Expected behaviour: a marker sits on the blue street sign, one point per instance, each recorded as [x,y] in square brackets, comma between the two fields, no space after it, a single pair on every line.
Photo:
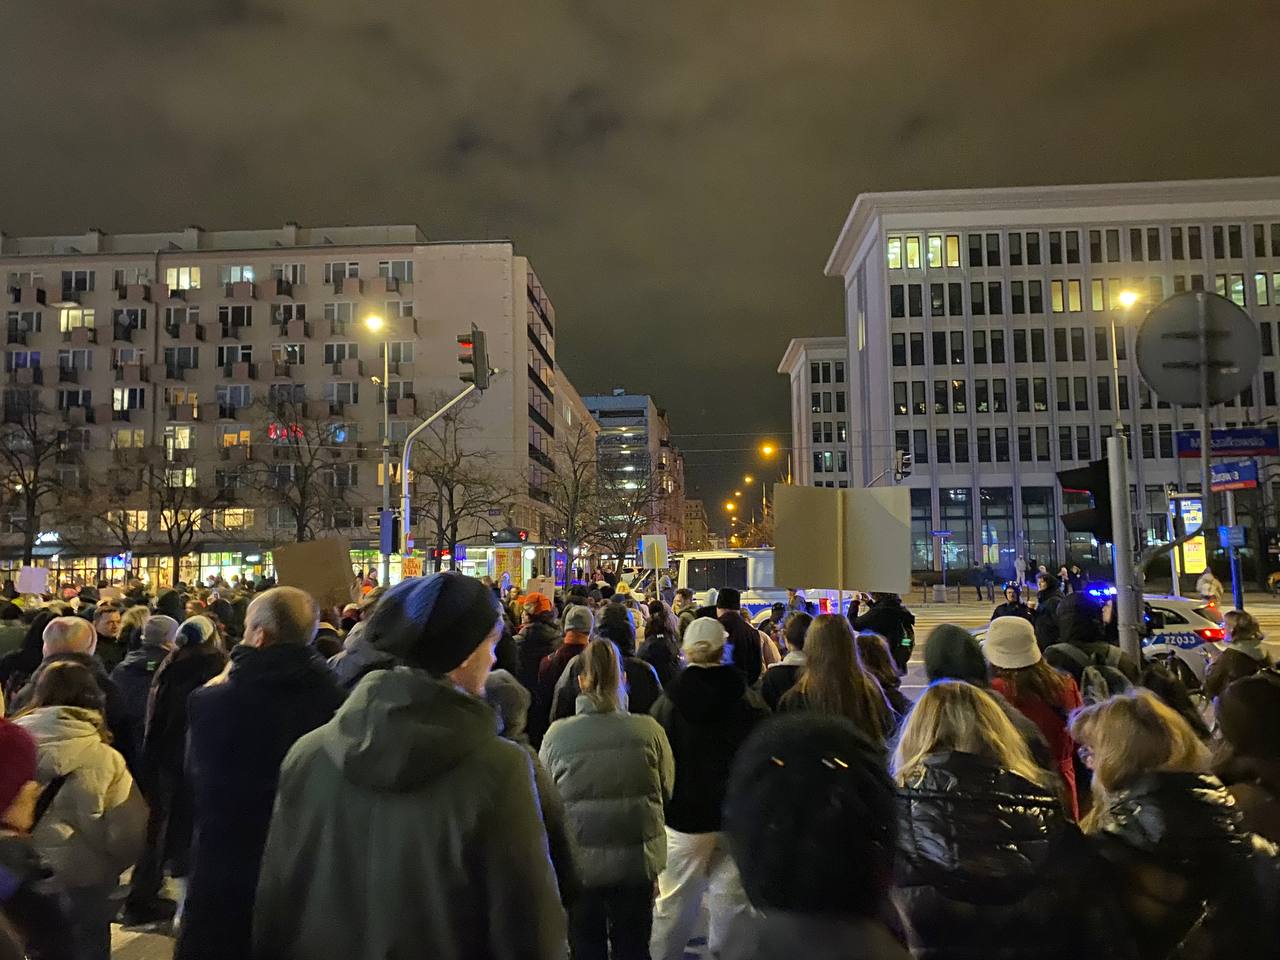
[1233,475]
[939,533]
[1238,442]
[1230,536]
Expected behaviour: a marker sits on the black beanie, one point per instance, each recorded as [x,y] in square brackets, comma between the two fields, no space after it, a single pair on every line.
[953,653]
[433,622]
[729,599]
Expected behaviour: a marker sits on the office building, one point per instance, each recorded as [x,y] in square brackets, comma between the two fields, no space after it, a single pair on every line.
[979,340]
[819,410]
[205,355]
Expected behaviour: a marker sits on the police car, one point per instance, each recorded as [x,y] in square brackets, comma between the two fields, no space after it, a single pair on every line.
[1188,628]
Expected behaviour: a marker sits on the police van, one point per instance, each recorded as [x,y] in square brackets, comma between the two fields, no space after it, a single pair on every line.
[749,571]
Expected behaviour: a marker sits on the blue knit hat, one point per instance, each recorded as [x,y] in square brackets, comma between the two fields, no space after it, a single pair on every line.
[434,622]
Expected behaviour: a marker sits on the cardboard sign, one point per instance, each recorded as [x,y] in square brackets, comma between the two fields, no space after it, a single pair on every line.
[834,539]
[32,579]
[653,551]
[543,585]
[320,567]
[411,567]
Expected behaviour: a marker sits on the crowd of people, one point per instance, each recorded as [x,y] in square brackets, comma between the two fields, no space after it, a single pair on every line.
[447,769]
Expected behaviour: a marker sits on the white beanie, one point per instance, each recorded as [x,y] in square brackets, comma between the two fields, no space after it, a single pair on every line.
[1011,643]
[704,640]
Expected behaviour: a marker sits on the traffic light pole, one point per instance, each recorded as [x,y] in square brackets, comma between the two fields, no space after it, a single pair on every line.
[1126,607]
[405,519]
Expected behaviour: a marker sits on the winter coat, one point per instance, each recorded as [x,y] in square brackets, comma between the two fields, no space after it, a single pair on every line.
[989,866]
[614,772]
[184,670]
[110,650]
[1052,721]
[550,670]
[1011,608]
[1254,784]
[405,827]
[357,657]
[1237,661]
[643,688]
[32,904]
[707,714]
[1196,882]
[778,680]
[663,654]
[536,640]
[116,714]
[12,633]
[889,618]
[132,679]
[777,935]
[744,640]
[1045,616]
[96,824]
[241,727]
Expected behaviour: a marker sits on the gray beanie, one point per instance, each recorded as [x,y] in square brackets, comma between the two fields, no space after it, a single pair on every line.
[159,630]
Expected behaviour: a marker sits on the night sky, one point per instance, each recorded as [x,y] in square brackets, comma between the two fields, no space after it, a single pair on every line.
[677,172]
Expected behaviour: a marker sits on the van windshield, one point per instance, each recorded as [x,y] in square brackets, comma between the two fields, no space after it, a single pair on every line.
[716,573]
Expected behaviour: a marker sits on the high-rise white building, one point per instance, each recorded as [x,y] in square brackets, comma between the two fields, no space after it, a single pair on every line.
[979,340]
[819,410]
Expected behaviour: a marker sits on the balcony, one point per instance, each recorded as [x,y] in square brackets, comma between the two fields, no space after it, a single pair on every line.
[72,295]
[284,451]
[404,406]
[28,376]
[337,407]
[380,285]
[186,332]
[133,373]
[19,335]
[296,329]
[241,290]
[350,367]
[163,293]
[240,370]
[124,416]
[537,456]
[279,287]
[231,331]
[134,293]
[80,336]
[228,411]
[537,417]
[27,296]
[77,416]
[123,332]
[402,369]
[68,373]
[348,286]
[183,413]
[235,451]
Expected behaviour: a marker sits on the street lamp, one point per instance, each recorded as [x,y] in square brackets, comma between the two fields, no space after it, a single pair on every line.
[1126,299]
[737,493]
[375,324]
[730,506]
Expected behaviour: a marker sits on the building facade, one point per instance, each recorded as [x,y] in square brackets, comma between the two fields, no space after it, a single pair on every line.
[635,437]
[697,534]
[819,410]
[204,356]
[979,340]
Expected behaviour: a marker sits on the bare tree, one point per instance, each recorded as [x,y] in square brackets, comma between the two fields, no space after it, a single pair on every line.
[574,487]
[454,483]
[33,441]
[298,469]
[179,503]
[109,510]
[628,501]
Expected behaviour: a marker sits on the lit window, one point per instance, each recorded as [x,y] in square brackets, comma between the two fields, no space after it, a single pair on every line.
[913,253]
[1073,296]
[182,278]
[71,318]
[402,270]
[135,521]
[953,250]
[935,250]
[1056,295]
[236,273]
[1096,301]
[128,439]
[180,476]
[1237,286]
[1260,288]
[894,247]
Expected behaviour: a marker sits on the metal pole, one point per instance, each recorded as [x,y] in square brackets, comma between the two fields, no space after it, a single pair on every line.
[1115,372]
[404,463]
[1206,433]
[1173,554]
[1122,544]
[385,578]
[1233,554]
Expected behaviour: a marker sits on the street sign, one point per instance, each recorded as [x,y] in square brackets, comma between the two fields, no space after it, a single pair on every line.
[939,533]
[1238,442]
[1233,475]
[1173,349]
[1230,536]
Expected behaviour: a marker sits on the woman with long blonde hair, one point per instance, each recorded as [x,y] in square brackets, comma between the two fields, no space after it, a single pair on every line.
[988,860]
[832,681]
[1195,880]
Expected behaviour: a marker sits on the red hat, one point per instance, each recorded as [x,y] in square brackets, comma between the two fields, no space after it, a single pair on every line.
[536,602]
[17,762]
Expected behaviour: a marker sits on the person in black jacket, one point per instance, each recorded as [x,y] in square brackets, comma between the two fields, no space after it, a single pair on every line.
[133,676]
[781,677]
[643,686]
[196,659]
[1193,879]
[661,647]
[1048,596]
[817,872]
[988,862]
[889,618]
[17,666]
[1013,605]
[1082,642]
[707,714]
[240,729]
[745,651]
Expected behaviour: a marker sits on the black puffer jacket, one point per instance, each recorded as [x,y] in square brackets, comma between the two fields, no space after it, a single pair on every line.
[889,618]
[1197,883]
[989,866]
[707,713]
[1046,616]
[537,639]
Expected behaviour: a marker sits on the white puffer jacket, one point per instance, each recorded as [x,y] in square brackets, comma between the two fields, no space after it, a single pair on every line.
[97,823]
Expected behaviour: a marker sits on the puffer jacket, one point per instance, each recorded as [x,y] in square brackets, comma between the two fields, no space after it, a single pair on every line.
[989,866]
[614,772]
[707,714]
[537,639]
[405,827]
[96,824]
[1197,883]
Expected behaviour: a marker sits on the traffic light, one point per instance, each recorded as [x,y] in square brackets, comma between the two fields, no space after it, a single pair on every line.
[388,531]
[474,358]
[1094,481]
[901,465]
[509,535]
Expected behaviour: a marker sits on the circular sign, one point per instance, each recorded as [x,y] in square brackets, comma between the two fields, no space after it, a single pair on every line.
[1172,351]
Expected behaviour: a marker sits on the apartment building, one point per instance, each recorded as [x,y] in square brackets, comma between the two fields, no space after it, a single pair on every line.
[979,339]
[697,535]
[635,439]
[816,367]
[205,355]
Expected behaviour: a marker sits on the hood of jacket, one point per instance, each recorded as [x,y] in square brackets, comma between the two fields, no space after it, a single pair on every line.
[401,729]
[66,737]
[971,827]
[1080,620]
[510,701]
[704,693]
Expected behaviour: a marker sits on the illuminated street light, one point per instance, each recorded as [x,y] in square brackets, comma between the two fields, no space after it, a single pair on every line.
[374,323]
[730,506]
[748,479]
[1128,298]
[767,449]
[737,493]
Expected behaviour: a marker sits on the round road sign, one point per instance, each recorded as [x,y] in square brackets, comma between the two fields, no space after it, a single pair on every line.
[1171,352]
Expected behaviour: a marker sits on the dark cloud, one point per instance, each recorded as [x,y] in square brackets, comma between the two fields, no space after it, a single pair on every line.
[677,172]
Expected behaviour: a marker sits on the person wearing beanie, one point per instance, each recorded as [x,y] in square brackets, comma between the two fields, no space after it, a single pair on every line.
[953,653]
[240,727]
[745,650]
[1045,695]
[641,687]
[195,660]
[578,625]
[33,913]
[1249,761]
[818,871]
[134,674]
[411,780]
[889,618]
[539,637]
[1082,641]
[707,712]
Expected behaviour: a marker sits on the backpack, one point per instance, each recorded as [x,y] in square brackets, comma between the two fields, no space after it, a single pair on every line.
[1100,676]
